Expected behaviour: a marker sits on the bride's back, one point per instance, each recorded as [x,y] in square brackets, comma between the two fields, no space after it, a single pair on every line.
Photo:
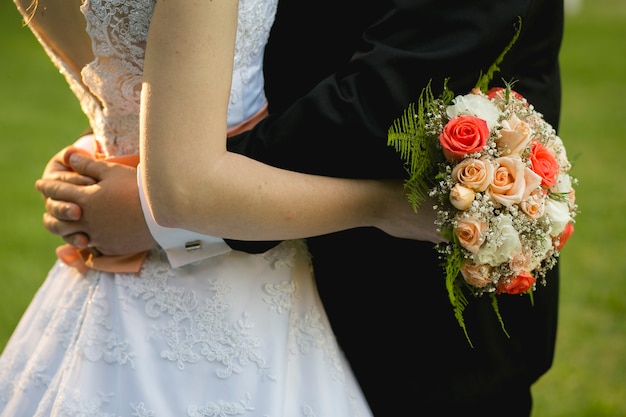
[99,47]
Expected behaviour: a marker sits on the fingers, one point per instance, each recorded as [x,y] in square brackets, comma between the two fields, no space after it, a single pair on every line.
[69,176]
[57,169]
[71,150]
[59,190]
[81,162]
[63,210]
[80,240]
[67,230]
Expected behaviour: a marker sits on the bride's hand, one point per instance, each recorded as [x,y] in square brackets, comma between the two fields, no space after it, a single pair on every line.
[110,217]
[398,218]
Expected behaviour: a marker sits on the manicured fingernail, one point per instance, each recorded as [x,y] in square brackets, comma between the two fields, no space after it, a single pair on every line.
[74,158]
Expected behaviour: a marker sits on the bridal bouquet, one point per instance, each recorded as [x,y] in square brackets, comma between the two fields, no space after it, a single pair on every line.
[500,176]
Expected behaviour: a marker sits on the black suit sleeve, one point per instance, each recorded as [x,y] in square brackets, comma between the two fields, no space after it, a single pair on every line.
[333,98]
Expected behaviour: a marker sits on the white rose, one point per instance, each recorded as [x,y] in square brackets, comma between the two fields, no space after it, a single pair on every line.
[559,215]
[539,253]
[502,246]
[474,105]
[555,145]
[563,184]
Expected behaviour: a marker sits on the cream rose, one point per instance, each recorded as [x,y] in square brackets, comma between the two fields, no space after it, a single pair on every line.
[502,245]
[559,215]
[509,184]
[461,197]
[470,232]
[475,274]
[564,187]
[563,184]
[557,148]
[474,105]
[515,136]
[474,173]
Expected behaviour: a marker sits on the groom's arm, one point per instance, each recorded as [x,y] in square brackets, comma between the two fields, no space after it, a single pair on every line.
[339,125]
[356,85]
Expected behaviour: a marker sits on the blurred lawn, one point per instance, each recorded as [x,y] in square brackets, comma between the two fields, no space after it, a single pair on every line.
[39,115]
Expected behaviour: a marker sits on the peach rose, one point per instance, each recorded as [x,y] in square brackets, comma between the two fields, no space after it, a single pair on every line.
[533,182]
[470,232]
[544,163]
[508,185]
[534,205]
[474,173]
[514,136]
[520,261]
[518,285]
[463,135]
[461,197]
[476,274]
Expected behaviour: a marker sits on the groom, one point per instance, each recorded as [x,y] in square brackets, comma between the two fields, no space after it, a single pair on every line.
[354,69]
[337,74]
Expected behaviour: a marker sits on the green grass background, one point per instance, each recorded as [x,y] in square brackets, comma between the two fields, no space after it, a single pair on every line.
[39,115]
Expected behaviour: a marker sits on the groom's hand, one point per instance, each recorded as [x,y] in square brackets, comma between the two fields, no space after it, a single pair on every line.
[94,203]
[398,218]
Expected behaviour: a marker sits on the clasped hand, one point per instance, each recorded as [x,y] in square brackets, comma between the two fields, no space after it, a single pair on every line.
[94,203]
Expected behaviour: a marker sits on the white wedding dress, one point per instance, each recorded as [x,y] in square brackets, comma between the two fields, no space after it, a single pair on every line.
[231,335]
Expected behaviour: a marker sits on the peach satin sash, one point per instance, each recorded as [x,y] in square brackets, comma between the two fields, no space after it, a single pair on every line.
[83,259]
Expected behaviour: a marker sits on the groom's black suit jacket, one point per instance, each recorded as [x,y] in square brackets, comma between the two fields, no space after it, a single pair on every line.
[337,73]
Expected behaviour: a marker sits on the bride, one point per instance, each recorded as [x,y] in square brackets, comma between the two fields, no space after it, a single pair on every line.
[229,334]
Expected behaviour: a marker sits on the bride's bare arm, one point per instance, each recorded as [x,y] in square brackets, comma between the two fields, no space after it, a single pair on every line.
[191,180]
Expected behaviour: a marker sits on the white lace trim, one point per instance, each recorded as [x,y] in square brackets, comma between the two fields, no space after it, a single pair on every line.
[109,87]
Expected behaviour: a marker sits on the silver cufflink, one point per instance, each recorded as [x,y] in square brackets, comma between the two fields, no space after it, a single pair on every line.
[191,246]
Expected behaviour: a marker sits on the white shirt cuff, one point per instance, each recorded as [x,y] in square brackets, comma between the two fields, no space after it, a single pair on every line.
[181,246]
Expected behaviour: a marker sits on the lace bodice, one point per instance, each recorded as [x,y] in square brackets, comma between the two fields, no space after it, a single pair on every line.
[109,87]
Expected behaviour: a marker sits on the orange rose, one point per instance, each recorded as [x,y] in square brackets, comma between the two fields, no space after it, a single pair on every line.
[463,135]
[518,285]
[565,234]
[471,233]
[476,274]
[544,163]
[475,174]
